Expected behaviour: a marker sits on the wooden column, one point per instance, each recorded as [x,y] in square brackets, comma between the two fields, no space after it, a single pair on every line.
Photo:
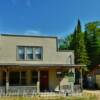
[20,78]
[1,77]
[7,81]
[38,83]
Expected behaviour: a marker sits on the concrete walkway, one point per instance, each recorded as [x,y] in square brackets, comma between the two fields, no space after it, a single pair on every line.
[92,93]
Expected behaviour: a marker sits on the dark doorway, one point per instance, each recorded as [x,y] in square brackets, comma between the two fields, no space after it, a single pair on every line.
[44,81]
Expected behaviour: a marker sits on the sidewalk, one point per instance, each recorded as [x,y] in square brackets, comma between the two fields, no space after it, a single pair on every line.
[92,93]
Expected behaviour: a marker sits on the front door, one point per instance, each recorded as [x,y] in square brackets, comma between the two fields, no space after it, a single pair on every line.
[44,81]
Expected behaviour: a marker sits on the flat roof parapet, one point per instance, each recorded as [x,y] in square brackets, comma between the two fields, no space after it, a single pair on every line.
[20,35]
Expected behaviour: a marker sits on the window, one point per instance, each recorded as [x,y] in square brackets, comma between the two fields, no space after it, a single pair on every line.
[29,53]
[17,78]
[14,78]
[38,53]
[4,78]
[21,53]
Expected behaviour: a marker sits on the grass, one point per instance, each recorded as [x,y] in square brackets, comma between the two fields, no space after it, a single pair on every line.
[49,98]
[82,98]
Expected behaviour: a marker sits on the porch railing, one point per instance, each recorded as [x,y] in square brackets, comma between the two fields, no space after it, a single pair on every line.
[18,90]
[68,89]
[32,90]
[2,90]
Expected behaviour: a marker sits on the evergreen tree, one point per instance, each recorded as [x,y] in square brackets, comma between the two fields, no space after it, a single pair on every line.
[78,45]
[73,41]
[92,35]
[78,27]
[94,51]
[86,45]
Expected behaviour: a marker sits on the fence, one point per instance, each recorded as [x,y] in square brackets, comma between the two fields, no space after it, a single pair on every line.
[18,90]
[32,90]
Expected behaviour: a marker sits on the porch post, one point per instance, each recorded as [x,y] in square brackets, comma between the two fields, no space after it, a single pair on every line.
[20,78]
[1,78]
[72,83]
[81,79]
[7,81]
[38,83]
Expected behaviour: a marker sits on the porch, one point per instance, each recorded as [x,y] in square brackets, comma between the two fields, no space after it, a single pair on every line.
[31,91]
[33,80]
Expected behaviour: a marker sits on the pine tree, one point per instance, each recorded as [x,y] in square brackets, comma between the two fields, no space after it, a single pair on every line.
[78,45]
[92,35]
[73,41]
[94,46]
[78,28]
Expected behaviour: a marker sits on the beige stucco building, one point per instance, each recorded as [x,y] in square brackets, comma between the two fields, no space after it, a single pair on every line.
[34,61]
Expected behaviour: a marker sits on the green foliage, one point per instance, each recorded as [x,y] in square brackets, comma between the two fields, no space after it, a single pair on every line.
[85,44]
[65,43]
[62,47]
[78,27]
[92,37]
[78,45]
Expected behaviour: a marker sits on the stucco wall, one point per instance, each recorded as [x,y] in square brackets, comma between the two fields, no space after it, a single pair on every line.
[28,77]
[8,46]
[98,80]
[53,80]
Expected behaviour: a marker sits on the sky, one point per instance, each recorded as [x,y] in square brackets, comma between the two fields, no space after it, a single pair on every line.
[46,17]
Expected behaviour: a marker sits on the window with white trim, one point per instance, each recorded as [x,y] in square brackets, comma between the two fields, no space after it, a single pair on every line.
[38,53]
[21,53]
[29,53]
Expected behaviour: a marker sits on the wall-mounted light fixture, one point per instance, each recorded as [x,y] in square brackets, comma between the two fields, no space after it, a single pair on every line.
[59,74]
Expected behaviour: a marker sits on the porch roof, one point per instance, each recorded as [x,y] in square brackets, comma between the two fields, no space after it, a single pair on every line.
[42,65]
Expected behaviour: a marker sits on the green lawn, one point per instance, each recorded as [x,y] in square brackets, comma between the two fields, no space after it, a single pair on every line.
[50,98]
